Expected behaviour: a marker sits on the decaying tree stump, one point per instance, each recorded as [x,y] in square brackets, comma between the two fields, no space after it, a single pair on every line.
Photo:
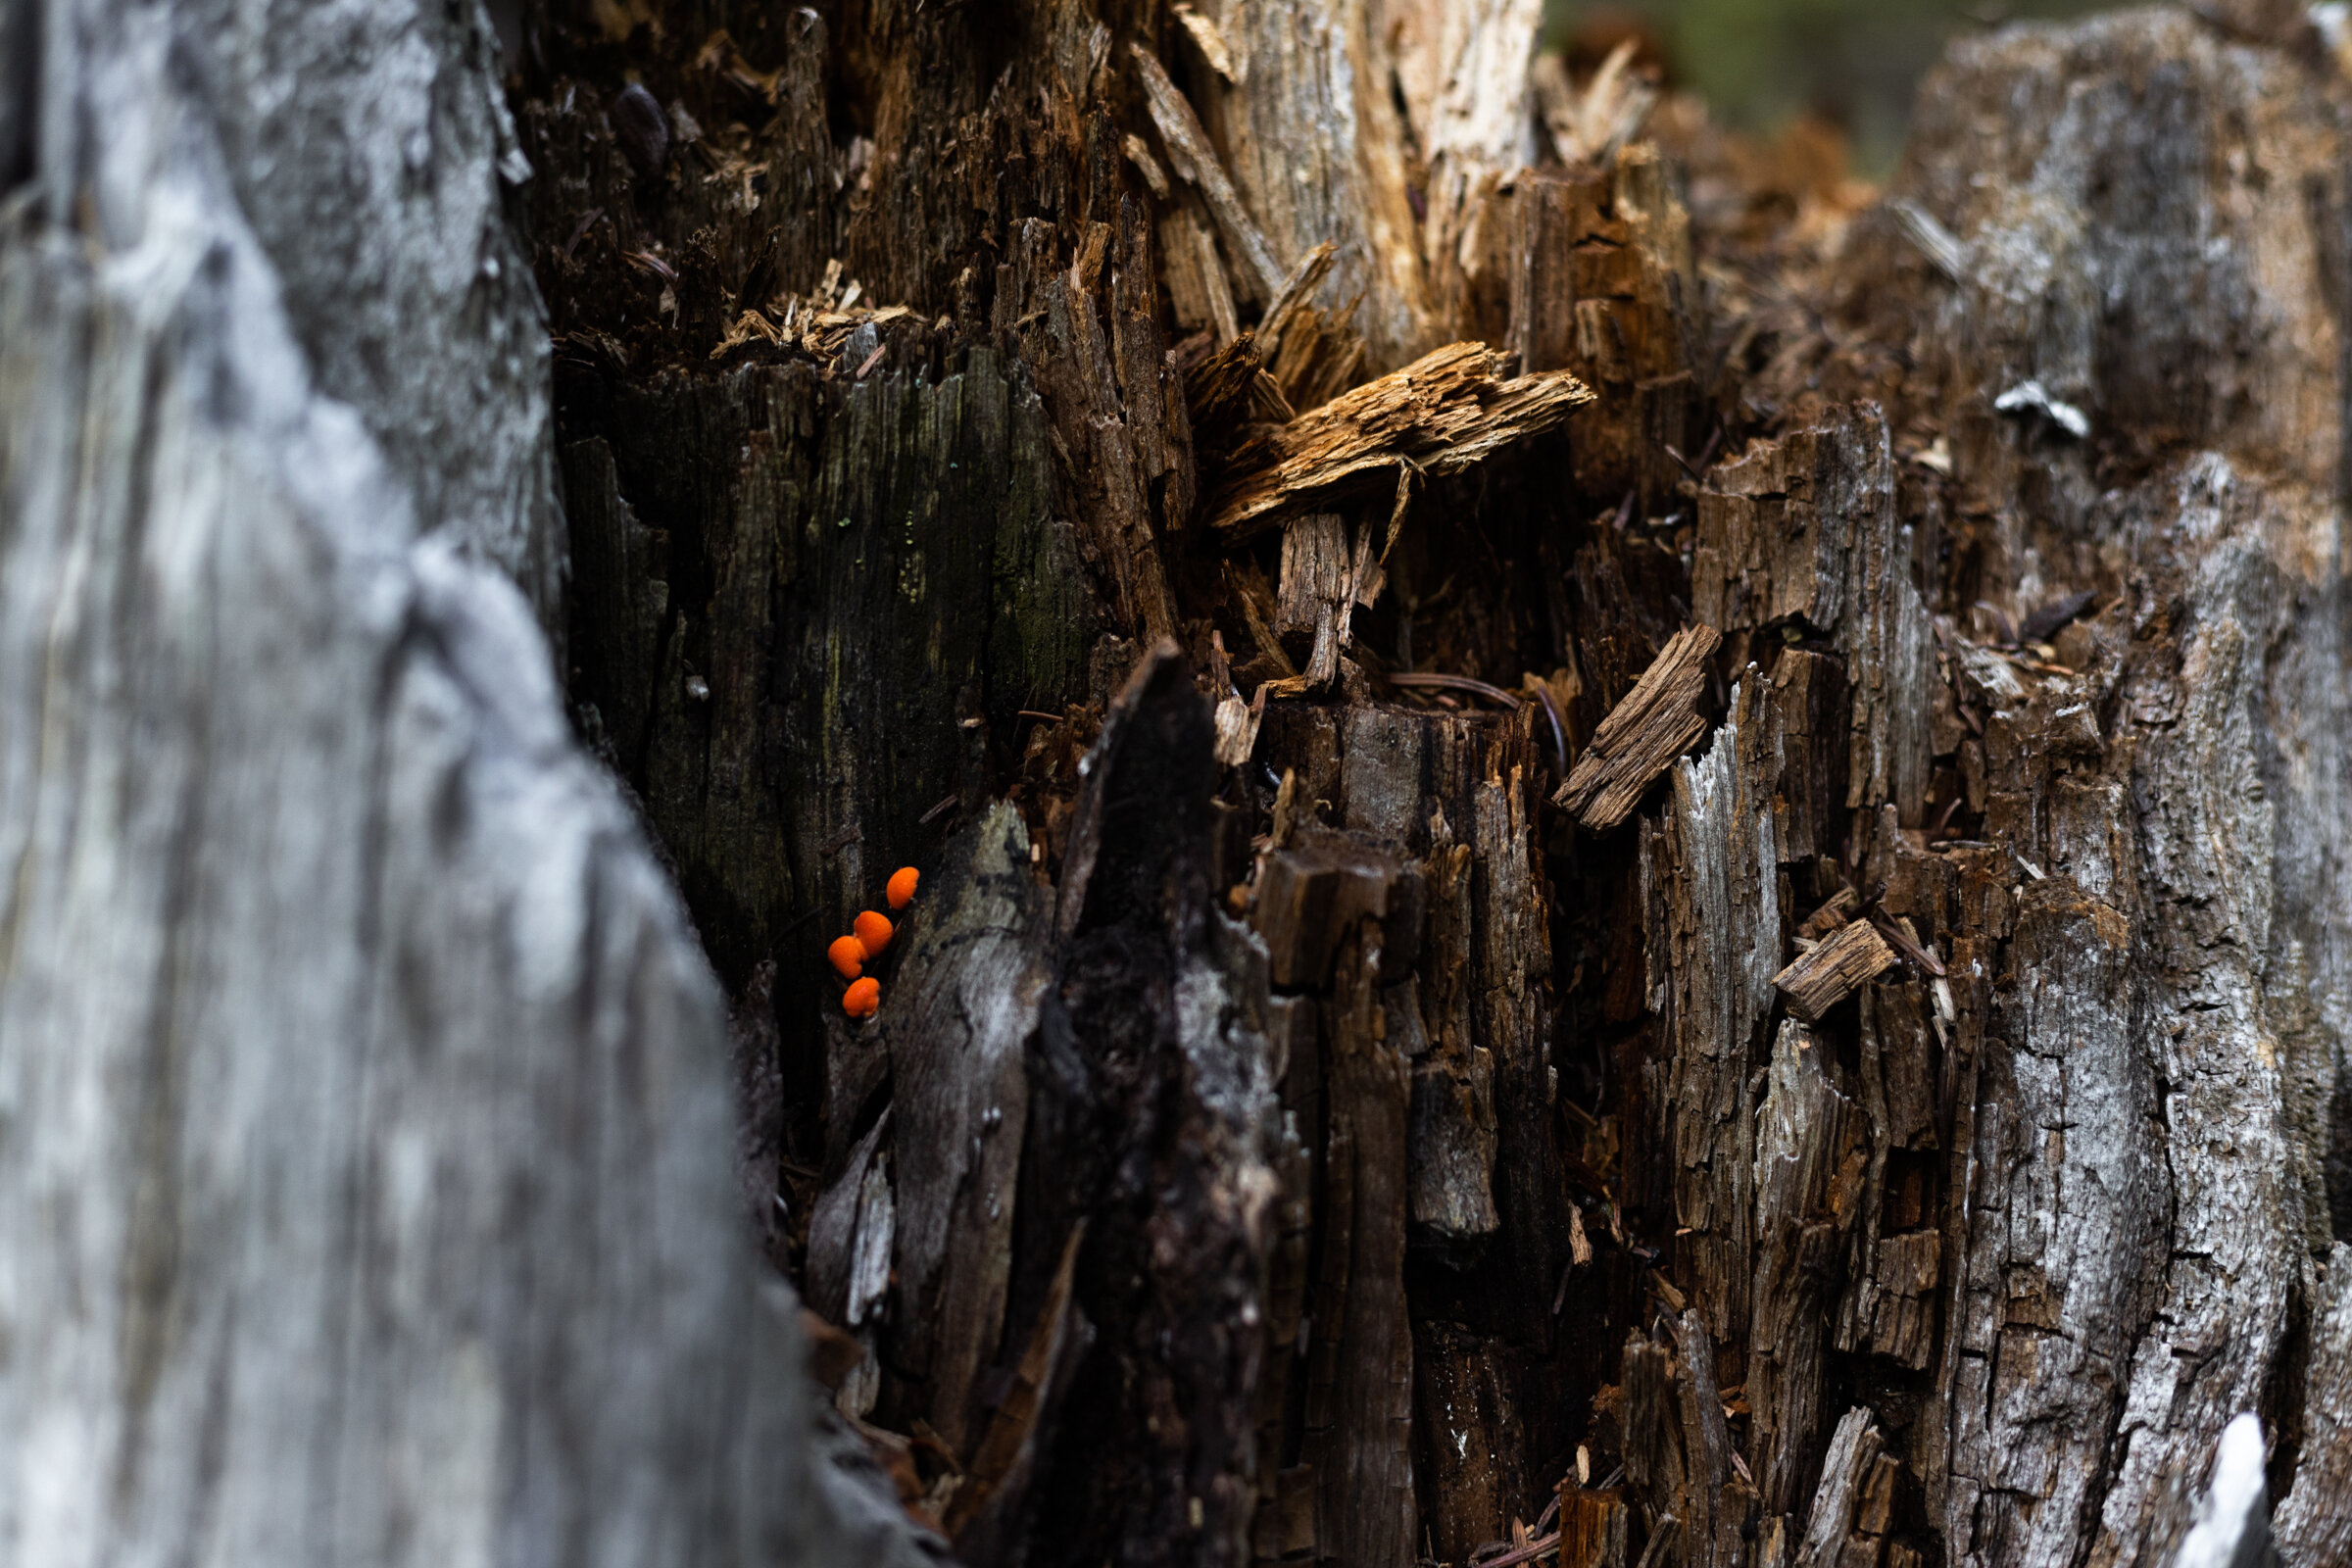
[1627,858]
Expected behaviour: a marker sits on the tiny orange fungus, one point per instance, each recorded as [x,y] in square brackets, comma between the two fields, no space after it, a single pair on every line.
[863,997]
[848,957]
[901,886]
[873,932]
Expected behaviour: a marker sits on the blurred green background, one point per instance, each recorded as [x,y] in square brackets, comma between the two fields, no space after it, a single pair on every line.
[1853,62]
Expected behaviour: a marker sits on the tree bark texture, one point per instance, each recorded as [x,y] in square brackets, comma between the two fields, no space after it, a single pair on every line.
[1716,933]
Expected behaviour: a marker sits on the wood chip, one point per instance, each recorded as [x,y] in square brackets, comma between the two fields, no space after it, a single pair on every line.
[1139,153]
[1656,722]
[1821,979]
[1443,413]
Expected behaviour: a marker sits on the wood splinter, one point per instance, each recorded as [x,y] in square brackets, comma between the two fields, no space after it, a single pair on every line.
[1444,413]
[1656,722]
[1834,970]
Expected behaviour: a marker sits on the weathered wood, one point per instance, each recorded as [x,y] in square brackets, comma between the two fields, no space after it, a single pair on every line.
[1445,797]
[1657,722]
[1359,1393]
[367,1187]
[1324,579]
[1444,413]
[1196,163]
[1713,924]
[1152,1090]
[1802,534]
[959,1011]
[1152,1243]
[1846,1472]
[1593,1529]
[1605,284]
[1808,1170]
[1834,969]
[2312,1523]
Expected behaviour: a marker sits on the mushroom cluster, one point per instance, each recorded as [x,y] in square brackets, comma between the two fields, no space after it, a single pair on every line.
[869,934]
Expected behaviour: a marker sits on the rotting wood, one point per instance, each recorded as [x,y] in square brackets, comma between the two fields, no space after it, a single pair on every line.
[1444,413]
[1657,722]
[1196,161]
[1713,935]
[1802,533]
[368,1191]
[1809,1169]
[1604,284]
[1834,969]
[1324,581]
[1846,1472]
[2082,1176]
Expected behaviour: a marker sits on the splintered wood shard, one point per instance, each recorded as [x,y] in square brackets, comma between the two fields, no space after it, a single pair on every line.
[1834,970]
[1196,161]
[1446,412]
[1656,723]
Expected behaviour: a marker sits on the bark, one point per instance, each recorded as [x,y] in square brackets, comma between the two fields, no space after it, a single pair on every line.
[1711,930]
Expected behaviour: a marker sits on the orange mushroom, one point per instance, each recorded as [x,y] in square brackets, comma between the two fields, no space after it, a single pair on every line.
[901,886]
[848,957]
[863,997]
[873,932]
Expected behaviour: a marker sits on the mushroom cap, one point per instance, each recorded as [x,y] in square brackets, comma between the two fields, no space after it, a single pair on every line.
[848,956]
[863,997]
[873,930]
[901,891]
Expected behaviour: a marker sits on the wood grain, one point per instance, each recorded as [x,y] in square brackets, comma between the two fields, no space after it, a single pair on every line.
[1834,969]
[1657,722]
[1444,413]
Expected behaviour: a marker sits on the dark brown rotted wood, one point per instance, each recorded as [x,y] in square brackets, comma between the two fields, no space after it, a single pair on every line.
[1467,1009]
[1809,1162]
[1717,1503]
[1679,1456]
[829,565]
[1594,1528]
[1914,785]
[1801,537]
[1888,1307]
[1358,1409]
[1605,286]
[1142,1105]
[1123,440]
[1466,1397]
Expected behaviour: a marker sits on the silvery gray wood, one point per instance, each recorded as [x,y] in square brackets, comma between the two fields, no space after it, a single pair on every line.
[365,1133]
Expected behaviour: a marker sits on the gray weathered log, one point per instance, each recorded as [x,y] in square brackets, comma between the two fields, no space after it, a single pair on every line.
[2180,984]
[367,1194]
